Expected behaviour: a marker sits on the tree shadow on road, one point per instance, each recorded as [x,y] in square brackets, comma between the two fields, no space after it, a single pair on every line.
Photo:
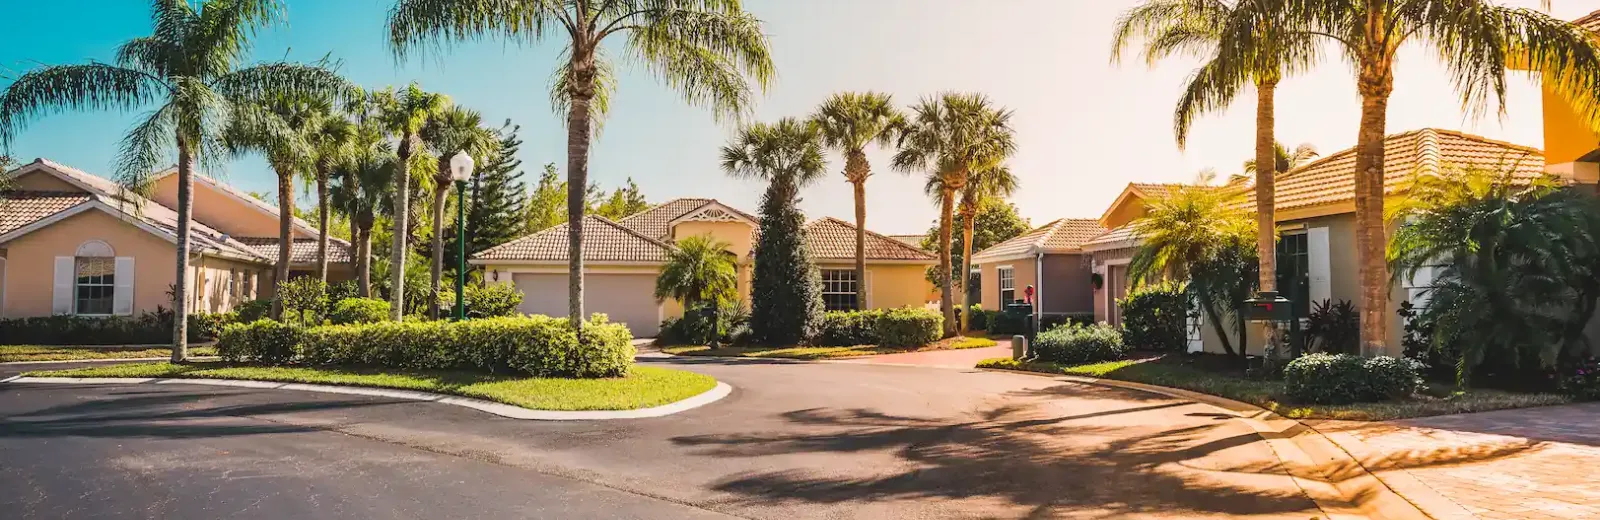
[173,414]
[1026,456]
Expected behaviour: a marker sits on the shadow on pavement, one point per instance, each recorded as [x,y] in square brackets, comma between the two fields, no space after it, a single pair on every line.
[171,414]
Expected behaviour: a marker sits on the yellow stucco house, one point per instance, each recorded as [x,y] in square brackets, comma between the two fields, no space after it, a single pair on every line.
[622,259]
[72,243]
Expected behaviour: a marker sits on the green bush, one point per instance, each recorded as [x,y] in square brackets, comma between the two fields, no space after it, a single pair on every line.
[304,300]
[533,345]
[1344,379]
[253,310]
[1075,344]
[208,327]
[848,328]
[151,328]
[1154,318]
[492,300]
[908,327]
[980,318]
[696,328]
[359,310]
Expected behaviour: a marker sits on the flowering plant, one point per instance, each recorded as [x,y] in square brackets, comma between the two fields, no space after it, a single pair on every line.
[1583,383]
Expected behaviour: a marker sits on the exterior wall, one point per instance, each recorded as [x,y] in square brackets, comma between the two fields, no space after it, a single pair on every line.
[1566,138]
[1067,288]
[895,285]
[220,284]
[1025,273]
[220,210]
[1131,209]
[40,181]
[736,234]
[30,262]
[1104,302]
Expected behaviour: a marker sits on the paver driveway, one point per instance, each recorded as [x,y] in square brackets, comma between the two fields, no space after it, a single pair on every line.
[795,440]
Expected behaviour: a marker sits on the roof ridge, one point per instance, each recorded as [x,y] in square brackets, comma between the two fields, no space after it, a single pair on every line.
[630,231]
[664,204]
[1055,226]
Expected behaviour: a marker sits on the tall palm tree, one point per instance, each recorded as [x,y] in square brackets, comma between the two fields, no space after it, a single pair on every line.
[991,181]
[189,67]
[279,129]
[949,137]
[707,51]
[451,131]
[849,122]
[403,114]
[1476,40]
[362,180]
[699,270]
[1260,56]
[332,139]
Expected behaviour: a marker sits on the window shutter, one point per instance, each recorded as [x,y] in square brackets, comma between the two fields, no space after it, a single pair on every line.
[1318,264]
[62,301]
[868,304]
[122,297]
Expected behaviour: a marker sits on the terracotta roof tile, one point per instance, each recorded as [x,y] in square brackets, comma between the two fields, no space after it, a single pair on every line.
[829,238]
[1590,21]
[1156,191]
[654,222]
[603,241]
[304,250]
[20,208]
[910,240]
[1059,235]
[1114,236]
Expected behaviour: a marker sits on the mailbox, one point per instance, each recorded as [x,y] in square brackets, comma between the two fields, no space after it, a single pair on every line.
[1268,306]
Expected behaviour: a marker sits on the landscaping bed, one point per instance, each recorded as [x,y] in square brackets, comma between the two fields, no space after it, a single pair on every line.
[825,352]
[1221,376]
[641,387]
[13,353]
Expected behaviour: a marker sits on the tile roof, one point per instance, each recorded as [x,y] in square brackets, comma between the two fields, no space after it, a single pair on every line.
[1114,236]
[654,222]
[20,208]
[1590,21]
[1059,235]
[910,240]
[829,238]
[1330,180]
[304,250]
[1157,191]
[603,241]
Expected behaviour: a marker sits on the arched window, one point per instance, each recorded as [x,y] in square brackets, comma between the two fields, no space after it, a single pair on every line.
[95,281]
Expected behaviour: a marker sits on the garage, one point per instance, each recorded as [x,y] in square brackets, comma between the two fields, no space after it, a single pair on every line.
[627,298]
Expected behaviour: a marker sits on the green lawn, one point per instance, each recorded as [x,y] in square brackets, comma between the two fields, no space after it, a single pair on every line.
[643,387]
[9,353]
[812,353]
[1175,371]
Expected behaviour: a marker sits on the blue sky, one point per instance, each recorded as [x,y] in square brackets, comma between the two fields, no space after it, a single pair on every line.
[1086,127]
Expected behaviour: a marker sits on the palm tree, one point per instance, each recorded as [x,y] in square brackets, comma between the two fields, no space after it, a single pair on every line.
[361,182]
[452,131]
[280,130]
[1194,235]
[707,51]
[994,181]
[1284,159]
[1260,56]
[849,121]
[1476,40]
[403,114]
[699,270]
[332,140]
[949,137]
[189,67]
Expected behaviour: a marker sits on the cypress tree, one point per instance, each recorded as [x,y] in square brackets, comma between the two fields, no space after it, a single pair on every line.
[786,289]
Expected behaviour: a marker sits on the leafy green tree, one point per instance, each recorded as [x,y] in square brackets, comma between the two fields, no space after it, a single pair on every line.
[1196,235]
[786,289]
[1475,40]
[403,115]
[849,122]
[708,51]
[547,204]
[993,222]
[6,164]
[699,270]
[949,137]
[189,68]
[499,199]
[450,131]
[623,202]
[1514,277]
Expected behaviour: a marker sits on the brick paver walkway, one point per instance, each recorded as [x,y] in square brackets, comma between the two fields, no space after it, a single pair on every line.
[964,358]
[1537,463]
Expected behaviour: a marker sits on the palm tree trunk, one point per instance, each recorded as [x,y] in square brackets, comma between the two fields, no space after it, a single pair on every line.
[1375,86]
[578,135]
[968,214]
[860,189]
[437,272]
[285,234]
[1266,227]
[946,208]
[323,214]
[402,214]
[180,285]
[364,258]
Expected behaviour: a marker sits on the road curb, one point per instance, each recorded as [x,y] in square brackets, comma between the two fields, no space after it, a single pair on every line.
[111,360]
[504,410]
[1329,475]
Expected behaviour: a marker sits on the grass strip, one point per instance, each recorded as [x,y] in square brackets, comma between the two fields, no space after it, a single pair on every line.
[11,353]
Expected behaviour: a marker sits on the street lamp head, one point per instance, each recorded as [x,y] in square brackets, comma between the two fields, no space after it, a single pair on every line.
[461,167]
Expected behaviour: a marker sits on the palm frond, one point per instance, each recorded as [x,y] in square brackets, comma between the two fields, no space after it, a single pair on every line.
[420,25]
[787,152]
[149,54]
[146,147]
[849,121]
[605,85]
[60,88]
[262,83]
[220,37]
[710,56]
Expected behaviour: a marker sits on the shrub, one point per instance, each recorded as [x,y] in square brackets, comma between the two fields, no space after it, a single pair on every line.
[150,328]
[1336,327]
[359,310]
[980,318]
[1050,321]
[908,327]
[263,341]
[208,327]
[303,300]
[1075,344]
[1343,379]
[1009,322]
[532,345]
[848,328]
[492,300]
[1583,380]
[1155,317]
[696,327]
[253,310]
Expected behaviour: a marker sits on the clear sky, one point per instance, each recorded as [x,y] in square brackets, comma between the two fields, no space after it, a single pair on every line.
[1085,127]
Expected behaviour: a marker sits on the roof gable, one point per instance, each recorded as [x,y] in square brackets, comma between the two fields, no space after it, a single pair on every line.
[1058,236]
[829,238]
[1590,21]
[656,222]
[21,208]
[167,194]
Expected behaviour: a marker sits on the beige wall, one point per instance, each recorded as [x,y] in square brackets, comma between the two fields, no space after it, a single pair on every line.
[41,181]
[736,234]
[30,262]
[1566,138]
[212,292]
[1025,274]
[219,210]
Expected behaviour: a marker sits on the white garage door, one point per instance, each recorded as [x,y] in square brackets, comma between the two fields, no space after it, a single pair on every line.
[627,298]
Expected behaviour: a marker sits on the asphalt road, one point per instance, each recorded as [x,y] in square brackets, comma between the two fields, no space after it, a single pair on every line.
[794,440]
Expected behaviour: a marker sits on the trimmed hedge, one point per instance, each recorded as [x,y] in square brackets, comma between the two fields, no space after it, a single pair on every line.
[1075,344]
[1154,318]
[1345,379]
[496,300]
[904,327]
[359,310]
[151,328]
[534,345]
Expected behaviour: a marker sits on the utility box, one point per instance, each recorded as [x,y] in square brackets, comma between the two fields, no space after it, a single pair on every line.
[1268,306]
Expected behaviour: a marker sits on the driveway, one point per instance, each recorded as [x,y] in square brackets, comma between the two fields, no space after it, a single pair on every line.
[794,440]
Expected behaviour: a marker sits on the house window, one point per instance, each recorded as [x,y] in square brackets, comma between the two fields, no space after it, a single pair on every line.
[839,289]
[95,287]
[1008,284]
[1294,272]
